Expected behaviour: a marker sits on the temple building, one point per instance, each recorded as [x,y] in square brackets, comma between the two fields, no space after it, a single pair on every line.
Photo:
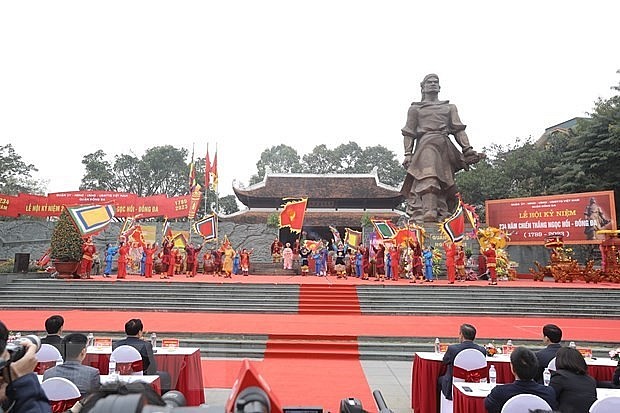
[338,200]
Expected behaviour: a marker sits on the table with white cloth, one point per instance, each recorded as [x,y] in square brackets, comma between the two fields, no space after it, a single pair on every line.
[182,363]
[472,399]
[427,368]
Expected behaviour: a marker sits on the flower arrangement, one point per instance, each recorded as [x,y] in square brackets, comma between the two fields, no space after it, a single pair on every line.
[492,349]
[615,354]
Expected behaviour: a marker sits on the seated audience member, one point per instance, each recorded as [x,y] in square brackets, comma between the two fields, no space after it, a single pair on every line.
[86,378]
[574,389]
[20,391]
[524,366]
[467,335]
[135,332]
[135,338]
[53,326]
[552,335]
[104,396]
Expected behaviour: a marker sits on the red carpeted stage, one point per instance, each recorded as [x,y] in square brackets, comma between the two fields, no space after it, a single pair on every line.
[298,363]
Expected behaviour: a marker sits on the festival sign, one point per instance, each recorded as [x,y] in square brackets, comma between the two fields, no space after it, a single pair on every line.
[574,217]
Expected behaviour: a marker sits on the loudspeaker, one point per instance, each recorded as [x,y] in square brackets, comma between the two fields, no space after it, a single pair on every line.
[351,405]
[22,261]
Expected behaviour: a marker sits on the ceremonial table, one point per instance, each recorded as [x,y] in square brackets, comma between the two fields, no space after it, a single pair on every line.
[182,363]
[427,368]
[472,399]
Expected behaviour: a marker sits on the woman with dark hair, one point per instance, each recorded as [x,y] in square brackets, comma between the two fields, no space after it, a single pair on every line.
[574,389]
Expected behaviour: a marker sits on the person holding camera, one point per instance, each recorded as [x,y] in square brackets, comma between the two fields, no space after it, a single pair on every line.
[20,391]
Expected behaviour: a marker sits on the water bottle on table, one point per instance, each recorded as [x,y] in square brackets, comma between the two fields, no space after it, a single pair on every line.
[154,340]
[492,375]
[546,377]
[437,345]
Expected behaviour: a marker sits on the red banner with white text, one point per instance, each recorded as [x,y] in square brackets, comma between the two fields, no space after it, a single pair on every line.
[576,217]
[126,204]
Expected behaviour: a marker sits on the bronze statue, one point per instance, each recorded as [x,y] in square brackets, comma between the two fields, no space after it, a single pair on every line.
[429,186]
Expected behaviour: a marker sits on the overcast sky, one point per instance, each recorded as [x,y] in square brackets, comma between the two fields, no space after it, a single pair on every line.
[124,76]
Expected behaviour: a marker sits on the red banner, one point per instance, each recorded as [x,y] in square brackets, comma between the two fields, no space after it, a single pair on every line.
[125,204]
[575,217]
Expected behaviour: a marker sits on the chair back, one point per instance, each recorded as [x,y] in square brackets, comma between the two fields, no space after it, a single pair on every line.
[62,393]
[47,356]
[551,365]
[128,360]
[606,405]
[470,365]
[523,403]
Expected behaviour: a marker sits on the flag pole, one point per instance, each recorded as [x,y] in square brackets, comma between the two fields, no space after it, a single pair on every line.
[191,190]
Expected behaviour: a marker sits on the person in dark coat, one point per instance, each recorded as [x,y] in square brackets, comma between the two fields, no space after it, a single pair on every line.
[467,335]
[53,327]
[574,389]
[552,335]
[524,366]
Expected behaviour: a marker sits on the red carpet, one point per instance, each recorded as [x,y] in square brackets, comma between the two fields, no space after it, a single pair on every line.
[331,299]
[527,328]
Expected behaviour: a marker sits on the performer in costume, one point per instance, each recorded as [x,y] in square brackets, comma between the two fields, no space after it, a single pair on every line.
[86,264]
[359,262]
[287,257]
[217,262]
[276,250]
[491,258]
[207,263]
[149,251]
[395,262]
[428,264]
[303,254]
[123,251]
[192,259]
[165,258]
[245,260]
[450,249]
[110,252]
[460,264]
[380,261]
[365,261]
[340,264]
[388,265]
[229,254]
[237,264]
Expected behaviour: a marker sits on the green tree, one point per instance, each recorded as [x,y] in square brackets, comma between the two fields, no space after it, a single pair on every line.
[99,173]
[15,174]
[66,242]
[321,161]
[279,159]
[389,169]
[228,204]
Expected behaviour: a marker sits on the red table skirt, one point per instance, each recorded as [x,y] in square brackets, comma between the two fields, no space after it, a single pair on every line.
[185,372]
[466,404]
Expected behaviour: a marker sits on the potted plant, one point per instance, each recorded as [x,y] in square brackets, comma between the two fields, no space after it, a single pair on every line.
[66,245]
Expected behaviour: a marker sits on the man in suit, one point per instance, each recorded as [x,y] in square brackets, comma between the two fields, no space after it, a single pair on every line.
[467,335]
[86,378]
[524,366]
[552,335]
[53,326]
[135,338]
[135,332]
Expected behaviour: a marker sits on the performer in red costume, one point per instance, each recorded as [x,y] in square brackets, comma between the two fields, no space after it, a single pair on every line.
[88,250]
[460,263]
[123,250]
[450,249]
[150,251]
[491,257]
[395,262]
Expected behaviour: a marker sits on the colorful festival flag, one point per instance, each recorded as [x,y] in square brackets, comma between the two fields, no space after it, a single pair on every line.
[206,227]
[405,236]
[207,170]
[384,228]
[352,238]
[194,201]
[453,227]
[336,235]
[292,215]
[214,171]
[90,219]
[166,231]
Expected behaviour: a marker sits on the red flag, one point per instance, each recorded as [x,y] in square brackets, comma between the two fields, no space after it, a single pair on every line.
[292,215]
[214,170]
[207,227]
[454,226]
[207,170]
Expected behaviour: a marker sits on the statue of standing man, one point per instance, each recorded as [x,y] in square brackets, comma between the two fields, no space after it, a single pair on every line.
[431,158]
